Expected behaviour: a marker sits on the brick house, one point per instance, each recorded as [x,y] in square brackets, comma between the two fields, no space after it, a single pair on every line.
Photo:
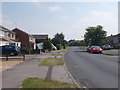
[7,37]
[27,40]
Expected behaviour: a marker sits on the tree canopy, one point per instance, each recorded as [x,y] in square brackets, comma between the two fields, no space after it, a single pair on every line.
[94,35]
[58,39]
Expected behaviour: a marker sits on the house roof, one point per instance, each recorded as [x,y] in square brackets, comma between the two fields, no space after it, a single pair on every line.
[22,32]
[5,29]
[40,36]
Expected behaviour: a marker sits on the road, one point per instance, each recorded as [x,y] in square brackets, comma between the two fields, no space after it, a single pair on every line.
[92,70]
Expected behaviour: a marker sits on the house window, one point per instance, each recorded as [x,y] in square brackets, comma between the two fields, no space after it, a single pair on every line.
[12,35]
[1,33]
[8,34]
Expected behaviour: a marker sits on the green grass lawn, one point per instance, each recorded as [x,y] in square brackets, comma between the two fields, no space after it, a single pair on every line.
[44,83]
[61,51]
[51,62]
[108,53]
[56,54]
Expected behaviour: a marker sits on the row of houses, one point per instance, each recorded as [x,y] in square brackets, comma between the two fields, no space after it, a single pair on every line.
[113,40]
[19,38]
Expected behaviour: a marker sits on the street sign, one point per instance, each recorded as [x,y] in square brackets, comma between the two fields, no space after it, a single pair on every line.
[40,45]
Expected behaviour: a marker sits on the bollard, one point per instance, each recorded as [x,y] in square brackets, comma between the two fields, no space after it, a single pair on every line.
[6,57]
[23,57]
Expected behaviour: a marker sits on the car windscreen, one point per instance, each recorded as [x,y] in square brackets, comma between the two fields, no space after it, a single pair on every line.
[95,47]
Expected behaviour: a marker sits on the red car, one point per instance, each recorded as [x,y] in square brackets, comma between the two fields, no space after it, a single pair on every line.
[96,49]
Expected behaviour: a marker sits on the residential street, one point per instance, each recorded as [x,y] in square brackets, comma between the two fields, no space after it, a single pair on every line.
[92,70]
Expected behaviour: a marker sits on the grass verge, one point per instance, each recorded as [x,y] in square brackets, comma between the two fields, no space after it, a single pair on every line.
[61,51]
[51,62]
[44,83]
[108,53]
[55,54]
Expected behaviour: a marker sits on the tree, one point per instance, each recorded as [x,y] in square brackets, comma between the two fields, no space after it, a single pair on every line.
[58,39]
[94,35]
[82,43]
[47,45]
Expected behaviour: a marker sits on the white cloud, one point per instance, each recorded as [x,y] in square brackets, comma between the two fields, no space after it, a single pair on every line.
[108,20]
[54,8]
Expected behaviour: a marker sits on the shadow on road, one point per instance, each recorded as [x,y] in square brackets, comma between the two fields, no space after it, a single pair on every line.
[84,51]
[81,51]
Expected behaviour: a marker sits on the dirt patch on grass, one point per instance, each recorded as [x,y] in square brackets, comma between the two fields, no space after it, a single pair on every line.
[4,65]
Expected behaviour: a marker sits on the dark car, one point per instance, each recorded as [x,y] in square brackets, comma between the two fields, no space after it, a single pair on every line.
[96,49]
[106,47]
[88,48]
[10,50]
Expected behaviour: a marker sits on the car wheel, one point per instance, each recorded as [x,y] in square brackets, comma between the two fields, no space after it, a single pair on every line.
[12,53]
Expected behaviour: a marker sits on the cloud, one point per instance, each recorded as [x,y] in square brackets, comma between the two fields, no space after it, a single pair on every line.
[108,20]
[54,8]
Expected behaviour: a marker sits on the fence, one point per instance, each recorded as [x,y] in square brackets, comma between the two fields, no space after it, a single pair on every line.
[7,57]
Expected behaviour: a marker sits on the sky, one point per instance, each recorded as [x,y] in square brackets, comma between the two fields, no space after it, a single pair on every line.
[70,18]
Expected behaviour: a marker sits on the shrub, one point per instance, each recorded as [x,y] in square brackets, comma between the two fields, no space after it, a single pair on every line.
[47,45]
[59,46]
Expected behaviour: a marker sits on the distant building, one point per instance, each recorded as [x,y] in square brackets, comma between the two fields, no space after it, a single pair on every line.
[39,38]
[7,37]
[27,40]
[113,40]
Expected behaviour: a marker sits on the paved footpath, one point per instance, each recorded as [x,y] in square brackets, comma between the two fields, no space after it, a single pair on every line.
[12,78]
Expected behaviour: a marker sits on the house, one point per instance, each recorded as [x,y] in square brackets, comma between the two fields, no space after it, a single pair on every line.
[113,40]
[27,40]
[40,38]
[7,37]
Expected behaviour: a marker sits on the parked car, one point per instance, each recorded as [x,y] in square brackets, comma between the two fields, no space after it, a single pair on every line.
[53,47]
[106,47]
[10,50]
[88,48]
[96,49]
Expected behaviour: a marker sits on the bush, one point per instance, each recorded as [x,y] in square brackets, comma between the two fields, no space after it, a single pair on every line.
[64,46]
[35,51]
[30,51]
[47,45]
[58,46]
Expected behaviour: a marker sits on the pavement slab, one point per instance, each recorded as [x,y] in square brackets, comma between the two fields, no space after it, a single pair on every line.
[59,73]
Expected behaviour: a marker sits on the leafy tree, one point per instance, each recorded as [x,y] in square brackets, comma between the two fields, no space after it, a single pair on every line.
[47,45]
[76,42]
[82,43]
[94,35]
[59,39]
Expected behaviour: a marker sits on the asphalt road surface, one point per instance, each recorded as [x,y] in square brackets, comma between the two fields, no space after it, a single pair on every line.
[92,70]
